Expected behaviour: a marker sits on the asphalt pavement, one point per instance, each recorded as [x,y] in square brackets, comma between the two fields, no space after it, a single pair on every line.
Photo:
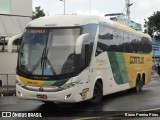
[112,105]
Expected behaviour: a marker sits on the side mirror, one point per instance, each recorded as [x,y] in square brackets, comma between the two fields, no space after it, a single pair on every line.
[11,40]
[79,42]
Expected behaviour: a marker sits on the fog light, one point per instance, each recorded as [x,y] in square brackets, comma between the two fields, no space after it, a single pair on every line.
[67,96]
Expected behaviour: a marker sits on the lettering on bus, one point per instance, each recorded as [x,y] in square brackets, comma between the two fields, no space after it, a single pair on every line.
[32,83]
[38,31]
[101,62]
[136,60]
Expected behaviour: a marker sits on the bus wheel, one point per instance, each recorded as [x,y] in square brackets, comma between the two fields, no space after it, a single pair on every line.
[139,85]
[0,83]
[49,103]
[97,93]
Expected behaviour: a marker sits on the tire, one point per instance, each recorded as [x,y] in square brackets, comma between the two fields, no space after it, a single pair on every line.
[97,93]
[49,103]
[0,83]
[139,85]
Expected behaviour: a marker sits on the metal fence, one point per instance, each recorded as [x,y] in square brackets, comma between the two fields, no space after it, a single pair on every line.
[7,84]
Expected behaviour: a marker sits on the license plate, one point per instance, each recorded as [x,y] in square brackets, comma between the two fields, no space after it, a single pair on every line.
[42,96]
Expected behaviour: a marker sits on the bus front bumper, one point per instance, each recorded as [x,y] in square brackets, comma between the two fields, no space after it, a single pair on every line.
[69,95]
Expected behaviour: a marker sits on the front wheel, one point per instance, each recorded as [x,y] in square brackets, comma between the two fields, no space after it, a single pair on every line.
[0,83]
[97,93]
[49,103]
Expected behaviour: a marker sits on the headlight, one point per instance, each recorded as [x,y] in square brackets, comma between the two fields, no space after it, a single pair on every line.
[69,85]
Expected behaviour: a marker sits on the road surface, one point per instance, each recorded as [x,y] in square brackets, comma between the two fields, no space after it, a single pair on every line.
[122,102]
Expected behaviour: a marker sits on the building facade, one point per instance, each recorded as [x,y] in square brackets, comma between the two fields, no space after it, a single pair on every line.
[122,19]
[14,16]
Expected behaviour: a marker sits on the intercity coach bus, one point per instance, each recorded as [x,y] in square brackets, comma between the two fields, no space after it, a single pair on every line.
[73,58]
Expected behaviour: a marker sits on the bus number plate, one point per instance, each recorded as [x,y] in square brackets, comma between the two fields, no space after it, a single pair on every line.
[42,96]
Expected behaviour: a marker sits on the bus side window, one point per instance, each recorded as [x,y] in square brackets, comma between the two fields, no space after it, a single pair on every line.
[105,39]
[82,57]
[126,42]
[87,54]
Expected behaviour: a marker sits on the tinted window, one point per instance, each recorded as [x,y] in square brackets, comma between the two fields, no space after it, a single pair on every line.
[117,41]
[111,39]
[87,47]
[145,45]
[126,42]
[105,39]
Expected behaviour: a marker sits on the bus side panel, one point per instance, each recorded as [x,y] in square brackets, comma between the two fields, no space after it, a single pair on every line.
[109,69]
[138,64]
[118,66]
[84,89]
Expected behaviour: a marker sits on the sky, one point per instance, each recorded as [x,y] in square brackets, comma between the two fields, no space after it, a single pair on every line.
[140,10]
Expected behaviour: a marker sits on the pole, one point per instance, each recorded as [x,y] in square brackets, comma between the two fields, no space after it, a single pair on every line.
[90,6]
[3,47]
[128,5]
[146,23]
[7,82]
[147,27]
[64,7]
[154,42]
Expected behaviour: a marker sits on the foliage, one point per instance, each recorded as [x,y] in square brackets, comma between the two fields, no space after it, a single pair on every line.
[153,24]
[38,13]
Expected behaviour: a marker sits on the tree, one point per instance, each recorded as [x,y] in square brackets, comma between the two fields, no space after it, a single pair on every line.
[38,13]
[153,23]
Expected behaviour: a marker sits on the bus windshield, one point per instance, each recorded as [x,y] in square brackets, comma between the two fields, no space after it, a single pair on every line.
[48,51]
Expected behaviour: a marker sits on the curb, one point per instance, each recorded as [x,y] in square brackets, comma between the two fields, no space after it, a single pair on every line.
[7,93]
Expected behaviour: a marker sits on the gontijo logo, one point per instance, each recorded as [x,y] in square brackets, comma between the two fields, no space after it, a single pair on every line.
[136,60]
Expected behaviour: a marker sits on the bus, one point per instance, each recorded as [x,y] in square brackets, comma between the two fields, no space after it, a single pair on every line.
[73,58]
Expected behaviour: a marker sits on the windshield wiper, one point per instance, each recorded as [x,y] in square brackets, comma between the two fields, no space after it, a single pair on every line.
[43,60]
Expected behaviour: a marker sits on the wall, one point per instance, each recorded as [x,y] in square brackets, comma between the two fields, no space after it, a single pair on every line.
[5,6]
[14,16]
[12,25]
[16,7]
[8,63]
[21,7]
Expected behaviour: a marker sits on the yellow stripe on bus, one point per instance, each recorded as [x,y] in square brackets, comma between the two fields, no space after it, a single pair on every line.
[138,64]
[30,82]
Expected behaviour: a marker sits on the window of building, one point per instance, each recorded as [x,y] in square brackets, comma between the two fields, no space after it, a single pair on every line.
[5,6]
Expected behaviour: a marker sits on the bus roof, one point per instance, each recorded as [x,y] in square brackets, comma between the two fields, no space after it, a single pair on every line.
[64,21]
[79,20]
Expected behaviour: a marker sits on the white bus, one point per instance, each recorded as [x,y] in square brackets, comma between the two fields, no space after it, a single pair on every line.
[73,58]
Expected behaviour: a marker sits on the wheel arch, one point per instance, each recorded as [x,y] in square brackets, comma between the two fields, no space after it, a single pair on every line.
[138,76]
[139,84]
[143,78]
[98,79]
[97,85]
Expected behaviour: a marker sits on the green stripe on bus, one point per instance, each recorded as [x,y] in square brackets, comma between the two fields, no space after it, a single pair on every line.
[118,67]
[55,82]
